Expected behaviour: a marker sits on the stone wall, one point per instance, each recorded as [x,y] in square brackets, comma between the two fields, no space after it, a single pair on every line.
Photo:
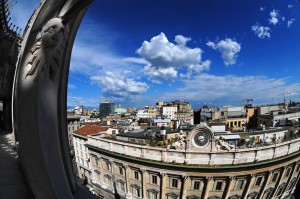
[232,157]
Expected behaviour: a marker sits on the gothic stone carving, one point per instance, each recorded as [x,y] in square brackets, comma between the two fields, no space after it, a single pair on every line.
[47,51]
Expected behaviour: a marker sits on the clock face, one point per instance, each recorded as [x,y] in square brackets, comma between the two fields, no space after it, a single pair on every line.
[201,138]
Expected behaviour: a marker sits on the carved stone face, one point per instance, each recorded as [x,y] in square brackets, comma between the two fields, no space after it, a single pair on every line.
[53,33]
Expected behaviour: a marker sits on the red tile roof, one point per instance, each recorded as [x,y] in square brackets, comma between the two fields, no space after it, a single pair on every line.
[90,130]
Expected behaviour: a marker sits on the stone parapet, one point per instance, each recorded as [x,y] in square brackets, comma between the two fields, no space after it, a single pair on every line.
[190,157]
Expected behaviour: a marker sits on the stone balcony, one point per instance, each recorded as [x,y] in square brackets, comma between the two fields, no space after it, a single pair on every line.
[193,157]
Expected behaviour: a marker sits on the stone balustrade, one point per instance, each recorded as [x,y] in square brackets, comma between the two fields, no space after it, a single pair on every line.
[193,157]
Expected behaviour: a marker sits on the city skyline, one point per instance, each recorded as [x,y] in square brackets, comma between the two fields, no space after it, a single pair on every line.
[136,53]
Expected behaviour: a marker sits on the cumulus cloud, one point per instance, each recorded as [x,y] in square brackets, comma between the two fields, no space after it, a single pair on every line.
[228,48]
[119,86]
[290,6]
[274,17]
[212,87]
[261,8]
[262,32]
[181,40]
[290,22]
[156,74]
[165,57]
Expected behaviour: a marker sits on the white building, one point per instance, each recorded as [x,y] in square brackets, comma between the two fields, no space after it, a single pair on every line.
[142,113]
[81,152]
[169,112]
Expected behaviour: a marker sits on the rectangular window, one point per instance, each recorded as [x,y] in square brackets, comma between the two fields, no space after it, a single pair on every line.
[154,179]
[197,185]
[107,165]
[258,181]
[219,186]
[122,186]
[239,124]
[274,178]
[137,192]
[298,168]
[288,172]
[239,184]
[120,170]
[174,183]
[153,195]
[96,162]
[136,175]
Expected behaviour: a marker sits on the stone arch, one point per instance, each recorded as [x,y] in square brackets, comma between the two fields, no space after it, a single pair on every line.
[39,98]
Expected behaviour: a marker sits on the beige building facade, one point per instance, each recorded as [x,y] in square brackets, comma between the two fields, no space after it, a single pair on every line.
[125,170]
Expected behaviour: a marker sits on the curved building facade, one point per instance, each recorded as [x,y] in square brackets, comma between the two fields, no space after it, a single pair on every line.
[126,170]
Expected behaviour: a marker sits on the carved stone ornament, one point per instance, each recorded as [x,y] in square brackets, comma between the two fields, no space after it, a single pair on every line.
[47,52]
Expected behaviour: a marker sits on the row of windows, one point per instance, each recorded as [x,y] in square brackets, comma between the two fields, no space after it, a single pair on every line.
[136,190]
[218,185]
[236,124]
[73,128]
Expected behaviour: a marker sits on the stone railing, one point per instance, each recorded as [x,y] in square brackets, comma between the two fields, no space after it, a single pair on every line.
[232,157]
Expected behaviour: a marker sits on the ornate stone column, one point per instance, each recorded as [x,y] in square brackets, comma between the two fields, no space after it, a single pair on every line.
[144,180]
[128,176]
[230,181]
[263,188]
[184,187]
[163,185]
[208,186]
[291,176]
[250,182]
[278,181]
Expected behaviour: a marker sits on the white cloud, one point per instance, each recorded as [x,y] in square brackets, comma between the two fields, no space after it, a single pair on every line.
[261,31]
[165,57]
[206,87]
[228,48]
[181,40]
[119,86]
[274,17]
[135,60]
[261,8]
[290,22]
[156,74]
[290,6]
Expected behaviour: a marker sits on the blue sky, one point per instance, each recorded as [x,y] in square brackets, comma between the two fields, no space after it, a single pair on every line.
[135,53]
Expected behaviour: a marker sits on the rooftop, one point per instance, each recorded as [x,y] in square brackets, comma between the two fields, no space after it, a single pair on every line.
[91,130]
